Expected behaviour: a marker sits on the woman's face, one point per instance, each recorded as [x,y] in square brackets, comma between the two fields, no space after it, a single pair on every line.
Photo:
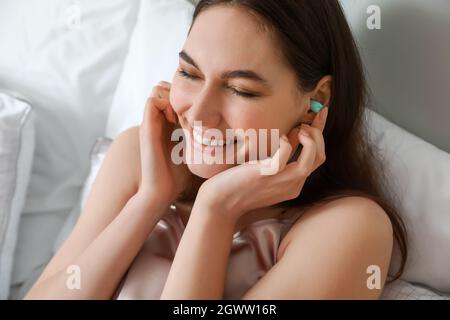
[232,75]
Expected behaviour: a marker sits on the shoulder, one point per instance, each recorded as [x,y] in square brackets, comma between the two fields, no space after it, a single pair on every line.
[128,139]
[123,157]
[357,216]
[336,250]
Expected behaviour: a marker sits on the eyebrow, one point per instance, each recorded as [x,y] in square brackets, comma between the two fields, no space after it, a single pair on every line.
[246,74]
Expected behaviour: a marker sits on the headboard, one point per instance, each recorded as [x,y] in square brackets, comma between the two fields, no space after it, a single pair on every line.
[408,63]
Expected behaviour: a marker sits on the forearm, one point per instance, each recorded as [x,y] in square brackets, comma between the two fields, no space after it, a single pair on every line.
[199,268]
[107,258]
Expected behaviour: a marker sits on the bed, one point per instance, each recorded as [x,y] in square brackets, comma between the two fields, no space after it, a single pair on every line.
[73,62]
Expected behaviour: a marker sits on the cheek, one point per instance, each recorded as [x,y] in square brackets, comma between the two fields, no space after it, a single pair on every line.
[272,115]
[264,116]
[285,115]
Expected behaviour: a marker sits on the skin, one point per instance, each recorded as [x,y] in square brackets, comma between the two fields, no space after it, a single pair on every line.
[124,204]
[209,53]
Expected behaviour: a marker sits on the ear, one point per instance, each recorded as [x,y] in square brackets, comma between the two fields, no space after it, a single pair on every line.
[321,93]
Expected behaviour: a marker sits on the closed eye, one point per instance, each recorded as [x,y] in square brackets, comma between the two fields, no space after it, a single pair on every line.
[242,93]
[187,75]
[236,92]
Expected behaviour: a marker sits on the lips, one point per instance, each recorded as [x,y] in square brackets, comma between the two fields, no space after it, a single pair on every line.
[200,138]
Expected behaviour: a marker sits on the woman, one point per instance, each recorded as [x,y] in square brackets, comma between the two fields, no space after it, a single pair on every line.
[246,64]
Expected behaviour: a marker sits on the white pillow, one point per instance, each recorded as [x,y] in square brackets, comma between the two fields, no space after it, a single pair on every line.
[16,154]
[159,35]
[419,174]
[402,290]
[98,154]
[69,73]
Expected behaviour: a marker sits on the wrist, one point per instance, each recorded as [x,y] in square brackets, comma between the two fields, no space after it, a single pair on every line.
[210,203]
[151,194]
[208,214]
[150,200]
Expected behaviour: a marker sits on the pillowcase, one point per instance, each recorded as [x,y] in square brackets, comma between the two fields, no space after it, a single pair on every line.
[97,156]
[16,155]
[402,290]
[159,35]
[419,176]
[68,67]
[66,57]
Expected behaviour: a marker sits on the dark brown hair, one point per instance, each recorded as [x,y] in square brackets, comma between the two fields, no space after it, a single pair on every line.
[316,41]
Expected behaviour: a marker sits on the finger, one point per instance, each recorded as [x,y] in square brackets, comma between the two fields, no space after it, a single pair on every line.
[278,162]
[163,106]
[284,152]
[317,136]
[320,119]
[293,138]
[160,92]
[165,84]
[305,163]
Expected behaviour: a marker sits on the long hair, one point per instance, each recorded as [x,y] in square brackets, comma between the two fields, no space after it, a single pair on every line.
[316,41]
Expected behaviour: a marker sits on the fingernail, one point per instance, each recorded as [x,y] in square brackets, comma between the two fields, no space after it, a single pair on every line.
[325,113]
[304,133]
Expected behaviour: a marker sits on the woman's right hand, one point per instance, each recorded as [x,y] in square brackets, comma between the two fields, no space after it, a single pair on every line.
[161,179]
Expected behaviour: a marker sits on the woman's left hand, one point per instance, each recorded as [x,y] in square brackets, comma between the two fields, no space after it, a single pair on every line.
[243,188]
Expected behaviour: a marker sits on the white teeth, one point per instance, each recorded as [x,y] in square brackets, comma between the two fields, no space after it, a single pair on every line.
[197,137]
[209,142]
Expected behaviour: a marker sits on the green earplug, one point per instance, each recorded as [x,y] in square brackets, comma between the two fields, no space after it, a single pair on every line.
[316,106]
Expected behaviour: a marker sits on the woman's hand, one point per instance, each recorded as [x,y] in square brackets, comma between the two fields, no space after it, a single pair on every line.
[243,188]
[160,177]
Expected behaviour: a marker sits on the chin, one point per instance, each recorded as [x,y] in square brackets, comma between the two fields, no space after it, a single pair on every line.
[207,171]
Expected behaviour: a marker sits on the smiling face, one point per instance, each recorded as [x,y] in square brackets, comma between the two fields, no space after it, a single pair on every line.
[232,75]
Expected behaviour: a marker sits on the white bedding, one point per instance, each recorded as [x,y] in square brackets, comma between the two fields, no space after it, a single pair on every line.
[37,234]
[403,290]
[69,74]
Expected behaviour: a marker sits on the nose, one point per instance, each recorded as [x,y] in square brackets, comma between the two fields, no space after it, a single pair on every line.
[206,107]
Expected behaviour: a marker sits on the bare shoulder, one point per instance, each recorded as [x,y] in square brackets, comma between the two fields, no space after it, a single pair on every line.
[352,213]
[119,174]
[128,140]
[125,150]
[336,250]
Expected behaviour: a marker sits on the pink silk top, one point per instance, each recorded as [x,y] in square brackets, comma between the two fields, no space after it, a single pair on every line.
[254,251]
